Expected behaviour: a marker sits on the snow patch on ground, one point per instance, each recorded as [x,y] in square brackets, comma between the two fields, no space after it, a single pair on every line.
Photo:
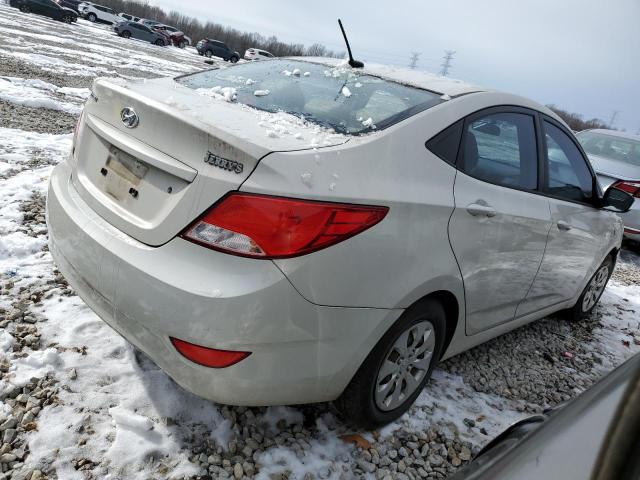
[39,94]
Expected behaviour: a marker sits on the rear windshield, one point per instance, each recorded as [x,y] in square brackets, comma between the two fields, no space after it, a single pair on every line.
[338,98]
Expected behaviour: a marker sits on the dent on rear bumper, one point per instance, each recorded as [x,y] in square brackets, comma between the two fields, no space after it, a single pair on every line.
[301,352]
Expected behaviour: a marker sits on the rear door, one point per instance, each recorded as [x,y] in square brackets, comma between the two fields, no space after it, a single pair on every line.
[142,32]
[579,234]
[220,49]
[499,227]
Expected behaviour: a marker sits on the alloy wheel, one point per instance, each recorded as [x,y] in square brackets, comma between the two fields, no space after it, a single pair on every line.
[405,366]
[595,288]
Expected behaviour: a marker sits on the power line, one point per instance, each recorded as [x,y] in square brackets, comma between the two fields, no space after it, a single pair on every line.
[415,56]
[614,115]
[446,62]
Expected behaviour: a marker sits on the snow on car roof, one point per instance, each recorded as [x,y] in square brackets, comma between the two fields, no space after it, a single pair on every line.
[415,78]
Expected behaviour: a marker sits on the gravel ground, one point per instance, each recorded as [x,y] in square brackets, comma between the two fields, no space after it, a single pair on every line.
[471,398]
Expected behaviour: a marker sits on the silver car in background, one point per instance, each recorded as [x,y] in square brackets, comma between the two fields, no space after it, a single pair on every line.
[594,437]
[615,156]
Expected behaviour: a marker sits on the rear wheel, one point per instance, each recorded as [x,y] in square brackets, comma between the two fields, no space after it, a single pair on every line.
[92,17]
[592,292]
[234,59]
[208,53]
[126,34]
[67,19]
[25,9]
[159,42]
[396,370]
[182,44]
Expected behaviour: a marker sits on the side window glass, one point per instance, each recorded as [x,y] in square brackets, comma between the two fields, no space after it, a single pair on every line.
[501,148]
[445,145]
[569,176]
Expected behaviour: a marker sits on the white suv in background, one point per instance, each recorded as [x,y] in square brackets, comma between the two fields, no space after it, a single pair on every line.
[257,54]
[99,13]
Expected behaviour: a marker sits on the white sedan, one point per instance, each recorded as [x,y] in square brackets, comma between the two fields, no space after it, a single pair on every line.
[336,252]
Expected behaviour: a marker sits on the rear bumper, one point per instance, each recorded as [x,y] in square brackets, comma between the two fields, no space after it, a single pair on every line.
[301,352]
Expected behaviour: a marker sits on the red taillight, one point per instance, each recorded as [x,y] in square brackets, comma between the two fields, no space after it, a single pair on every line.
[208,357]
[632,188]
[261,226]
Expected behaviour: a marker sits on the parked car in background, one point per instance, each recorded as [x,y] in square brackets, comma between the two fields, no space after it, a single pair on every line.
[290,289]
[175,36]
[128,18]
[149,23]
[615,157]
[141,32]
[47,8]
[594,437]
[214,48]
[101,14]
[83,5]
[72,4]
[257,54]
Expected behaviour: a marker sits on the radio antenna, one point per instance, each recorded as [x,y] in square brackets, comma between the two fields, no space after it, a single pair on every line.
[354,63]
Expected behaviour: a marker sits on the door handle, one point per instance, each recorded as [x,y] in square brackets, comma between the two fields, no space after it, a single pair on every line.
[564,226]
[478,210]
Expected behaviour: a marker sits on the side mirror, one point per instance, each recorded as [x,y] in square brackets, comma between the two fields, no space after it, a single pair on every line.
[617,201]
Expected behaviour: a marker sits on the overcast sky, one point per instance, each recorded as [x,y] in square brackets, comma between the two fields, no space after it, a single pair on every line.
[582,55]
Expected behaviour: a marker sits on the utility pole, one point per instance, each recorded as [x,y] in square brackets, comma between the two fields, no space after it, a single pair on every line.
[415,56]
[446,62]
[614,115]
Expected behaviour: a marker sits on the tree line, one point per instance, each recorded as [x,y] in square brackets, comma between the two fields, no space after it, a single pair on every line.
[234,38]
[576,121]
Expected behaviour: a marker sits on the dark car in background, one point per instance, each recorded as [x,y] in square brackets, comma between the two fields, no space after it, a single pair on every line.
[215,48]
[72,4]
[48,8]
[177,38]
[140,32]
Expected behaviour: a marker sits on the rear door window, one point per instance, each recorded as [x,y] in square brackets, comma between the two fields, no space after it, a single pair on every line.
[500,148]
[568,175]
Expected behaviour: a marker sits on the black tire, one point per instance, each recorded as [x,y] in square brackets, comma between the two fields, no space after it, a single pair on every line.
[67,19]
[126,34]
[159,42]
[200,53]
[182,44]
[25,9]
[578,311]
[208,53]
[92,17]
[357,403]
[233,59]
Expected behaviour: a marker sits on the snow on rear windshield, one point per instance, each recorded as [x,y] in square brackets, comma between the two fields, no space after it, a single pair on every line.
[341,98]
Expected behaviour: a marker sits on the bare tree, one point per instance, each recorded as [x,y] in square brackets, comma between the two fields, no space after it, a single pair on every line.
[575,120]
[197,30]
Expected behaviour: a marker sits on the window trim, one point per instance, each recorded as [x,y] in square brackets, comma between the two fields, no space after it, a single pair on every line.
[595,186]
[491,111]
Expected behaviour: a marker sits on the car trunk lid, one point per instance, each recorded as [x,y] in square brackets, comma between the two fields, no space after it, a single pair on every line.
[173,156]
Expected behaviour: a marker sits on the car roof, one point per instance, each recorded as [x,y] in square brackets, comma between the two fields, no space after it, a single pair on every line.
[406,76]
[614,133]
